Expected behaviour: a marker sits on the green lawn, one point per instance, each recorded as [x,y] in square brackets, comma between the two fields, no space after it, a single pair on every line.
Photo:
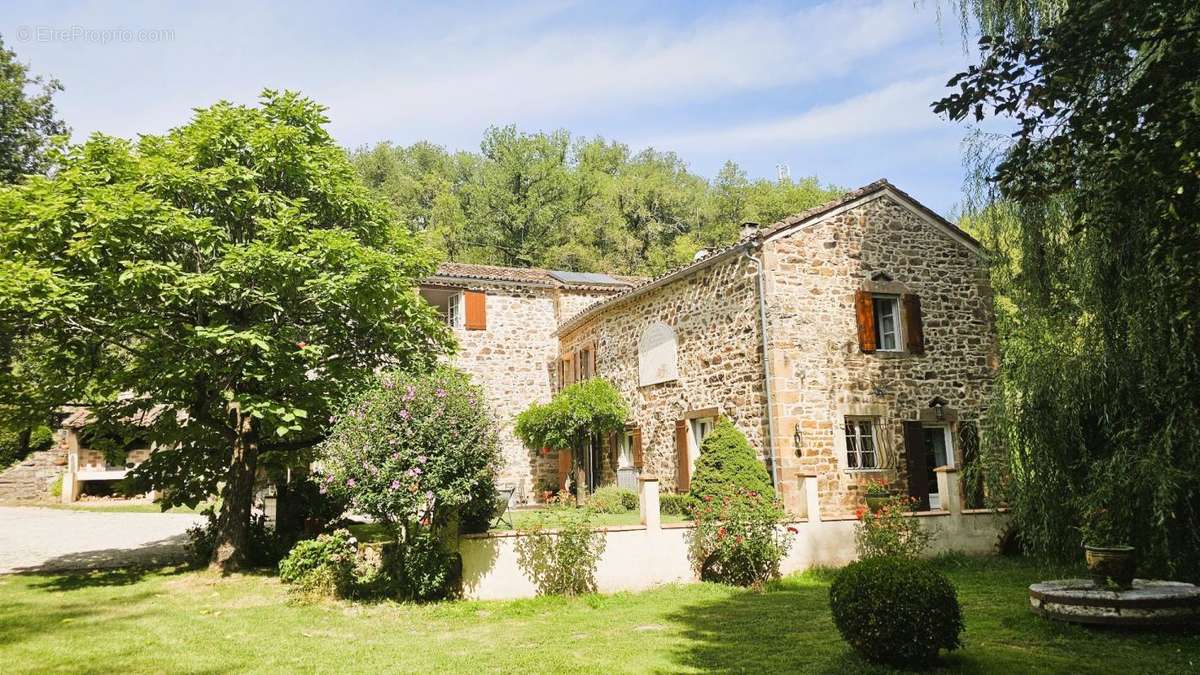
[168,621]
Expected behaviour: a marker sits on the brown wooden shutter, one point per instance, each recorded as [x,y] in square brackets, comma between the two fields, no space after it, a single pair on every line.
[592,354]
[564,468]
[864,311]
[637,449]
[476,318]
[914,459]
[683,477]
[914,332]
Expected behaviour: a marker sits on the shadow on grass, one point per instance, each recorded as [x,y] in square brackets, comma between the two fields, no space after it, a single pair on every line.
[160,553]
[786,628]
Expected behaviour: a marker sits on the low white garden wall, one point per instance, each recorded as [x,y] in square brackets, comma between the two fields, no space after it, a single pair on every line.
[636,558]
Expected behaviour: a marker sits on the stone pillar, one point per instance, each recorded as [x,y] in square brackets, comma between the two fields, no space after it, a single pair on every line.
[648,502]
[949,497]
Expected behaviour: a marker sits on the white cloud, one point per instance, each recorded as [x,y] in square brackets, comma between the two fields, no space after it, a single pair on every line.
[525,76]
[896,108]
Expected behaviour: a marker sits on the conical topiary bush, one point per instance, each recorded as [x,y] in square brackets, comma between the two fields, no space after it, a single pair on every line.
[728,464]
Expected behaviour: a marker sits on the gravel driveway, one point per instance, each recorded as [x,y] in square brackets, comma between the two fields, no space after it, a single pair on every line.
[39,539]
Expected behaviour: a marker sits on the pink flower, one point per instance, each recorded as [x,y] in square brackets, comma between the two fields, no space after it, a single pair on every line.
[440,393]
[301,345]
[350,482]
[395,485]
[422,458]
[410,394]
[404,414]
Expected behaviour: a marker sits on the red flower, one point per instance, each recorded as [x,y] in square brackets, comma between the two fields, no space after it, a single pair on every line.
[301,345]
[708,498]
[859,512]
[721,533]
[793,530]
[739,538]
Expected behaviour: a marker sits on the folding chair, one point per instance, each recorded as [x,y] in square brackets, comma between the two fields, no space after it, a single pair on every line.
[503,497]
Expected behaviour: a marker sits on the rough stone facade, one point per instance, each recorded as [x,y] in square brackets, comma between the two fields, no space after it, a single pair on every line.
[876,240]
[514,359]
[820,375]
[714,315]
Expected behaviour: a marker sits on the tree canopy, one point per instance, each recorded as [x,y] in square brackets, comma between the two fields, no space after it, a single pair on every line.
[1093,210]
[586,204]
[28,120]
[216,290]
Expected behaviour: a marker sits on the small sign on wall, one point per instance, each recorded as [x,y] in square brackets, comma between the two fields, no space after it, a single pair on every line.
[658,355]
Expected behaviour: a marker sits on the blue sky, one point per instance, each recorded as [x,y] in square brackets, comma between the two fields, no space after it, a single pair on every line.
[840,90]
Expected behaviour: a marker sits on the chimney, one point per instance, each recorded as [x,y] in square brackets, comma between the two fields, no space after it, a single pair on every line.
[749,229]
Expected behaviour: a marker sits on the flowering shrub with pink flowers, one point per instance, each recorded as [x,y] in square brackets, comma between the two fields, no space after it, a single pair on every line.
[738,538]
[416,452]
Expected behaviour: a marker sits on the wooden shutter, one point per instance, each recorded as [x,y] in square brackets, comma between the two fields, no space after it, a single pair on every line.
[476,303]
[914,332]
[592,355]
[564,468]
[683,477]
[864,311]
[637,449]
[914,458]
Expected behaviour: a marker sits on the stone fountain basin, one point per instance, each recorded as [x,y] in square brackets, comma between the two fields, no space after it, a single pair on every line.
[1147,603]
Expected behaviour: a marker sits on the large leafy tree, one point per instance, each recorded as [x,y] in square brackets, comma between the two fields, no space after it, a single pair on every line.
[588,204]
[1095,205]
[28,120]
[216,290]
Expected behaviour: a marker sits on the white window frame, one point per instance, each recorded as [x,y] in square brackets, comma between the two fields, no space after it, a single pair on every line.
[852,443]
[456,310]
[625,455]
[878,301]
[695,439]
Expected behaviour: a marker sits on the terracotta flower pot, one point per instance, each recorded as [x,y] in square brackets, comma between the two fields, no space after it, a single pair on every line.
[876,504]
[1111,562]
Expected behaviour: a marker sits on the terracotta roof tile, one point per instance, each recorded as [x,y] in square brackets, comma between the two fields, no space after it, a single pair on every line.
[524,275]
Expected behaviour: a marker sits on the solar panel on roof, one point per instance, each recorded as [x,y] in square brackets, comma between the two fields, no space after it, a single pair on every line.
[588,278]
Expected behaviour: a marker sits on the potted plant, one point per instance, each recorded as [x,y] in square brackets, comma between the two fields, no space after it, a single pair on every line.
[878,493]
[547,489]
[1110,558]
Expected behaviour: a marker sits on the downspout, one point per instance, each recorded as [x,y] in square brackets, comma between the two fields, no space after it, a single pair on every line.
[766,359]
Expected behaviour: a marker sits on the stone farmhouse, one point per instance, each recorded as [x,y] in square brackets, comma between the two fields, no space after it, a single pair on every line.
[852,342]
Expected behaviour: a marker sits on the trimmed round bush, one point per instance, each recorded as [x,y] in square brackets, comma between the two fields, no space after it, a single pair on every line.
[898,611]
[674,504]
[727,467]
[612,499]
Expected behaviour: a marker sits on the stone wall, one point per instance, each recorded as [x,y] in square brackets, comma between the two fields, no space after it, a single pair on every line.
[31,478]
[713,312]
[820,375]
[515,361]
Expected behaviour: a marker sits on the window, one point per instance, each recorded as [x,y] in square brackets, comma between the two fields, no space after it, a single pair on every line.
[701,428]
[861,451]
[887,323]
[625,456]
[454,310]
[585,363]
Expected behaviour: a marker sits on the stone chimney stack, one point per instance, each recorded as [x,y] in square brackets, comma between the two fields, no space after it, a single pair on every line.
[749,229]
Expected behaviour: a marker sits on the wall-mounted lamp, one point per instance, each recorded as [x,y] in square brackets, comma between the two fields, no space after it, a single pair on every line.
[939,408]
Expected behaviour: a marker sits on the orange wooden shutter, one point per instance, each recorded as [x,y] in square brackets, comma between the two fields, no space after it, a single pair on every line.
[637,449]
[564,468]
[683,477]
[914,331]
[476,318]
[864,310]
